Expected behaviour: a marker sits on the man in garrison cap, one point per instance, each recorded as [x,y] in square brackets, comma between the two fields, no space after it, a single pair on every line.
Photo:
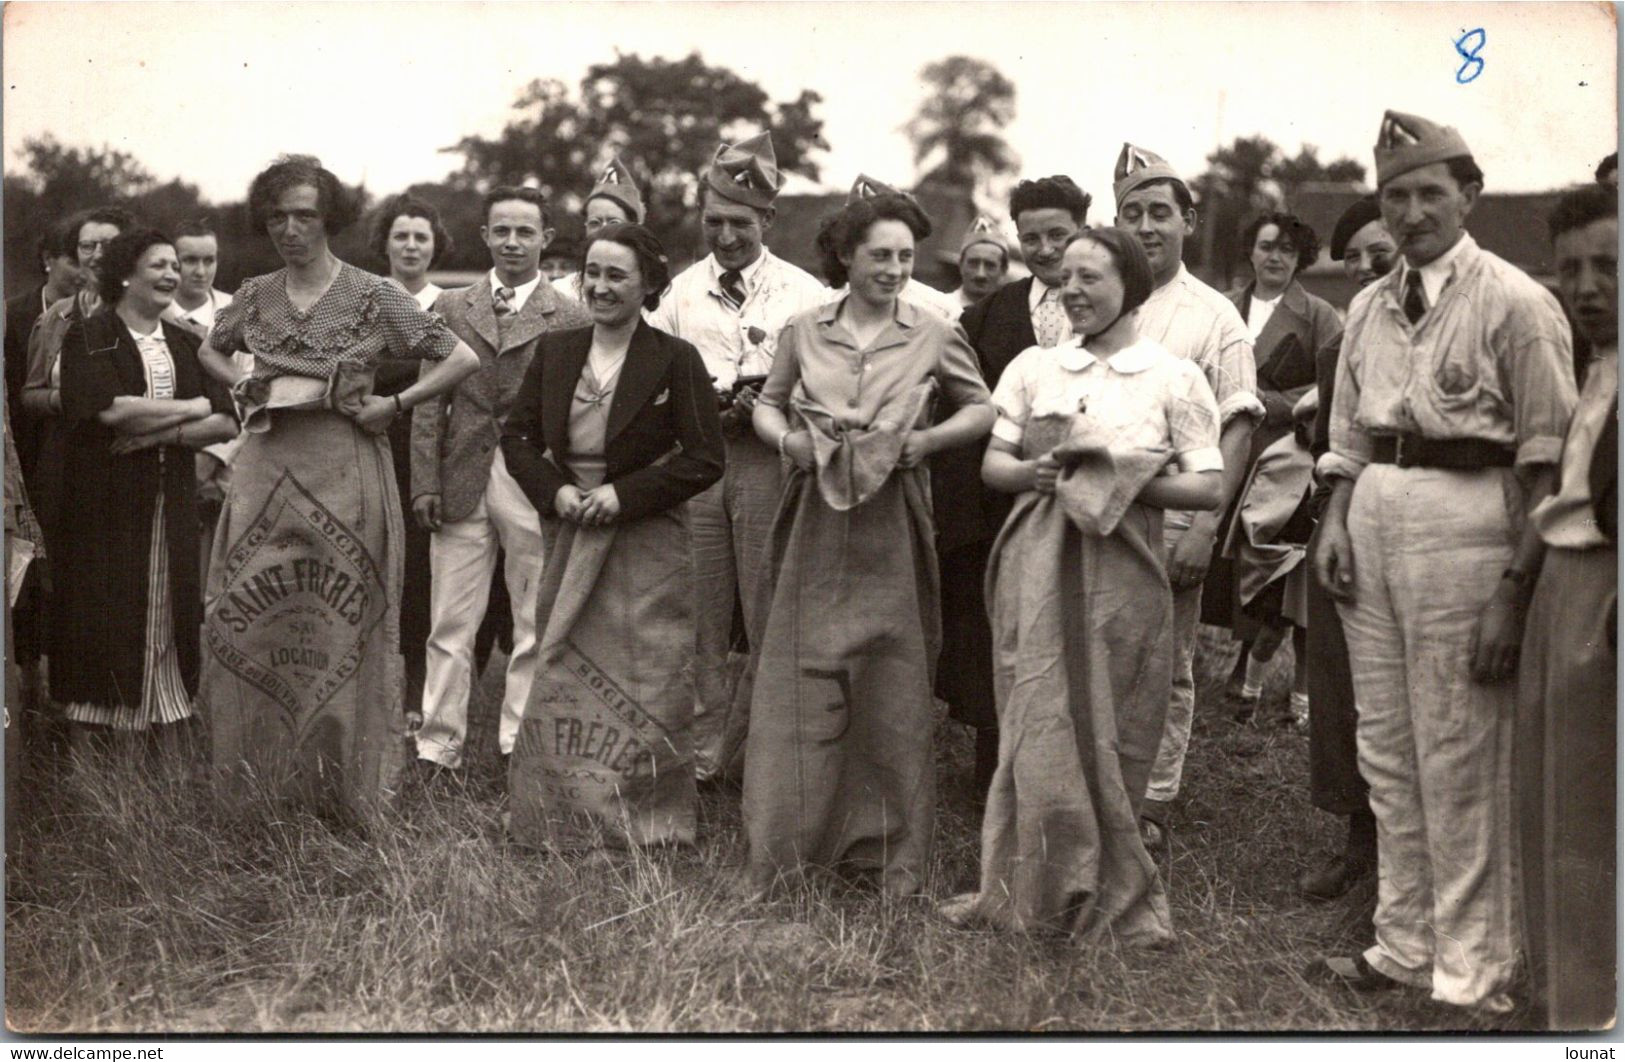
[922,295]
[1048,212]
[1454,388]
[732,305]
[1195,321]
[984,261]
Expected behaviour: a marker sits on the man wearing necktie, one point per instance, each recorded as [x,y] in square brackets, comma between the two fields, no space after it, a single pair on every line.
[732,305]
[461,489]
[1455,385]
[1047,211]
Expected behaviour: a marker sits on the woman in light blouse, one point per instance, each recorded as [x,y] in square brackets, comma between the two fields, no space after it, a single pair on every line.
[1095,438]
[838,765]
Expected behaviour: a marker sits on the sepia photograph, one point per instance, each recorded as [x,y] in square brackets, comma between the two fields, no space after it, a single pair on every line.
[1058,519]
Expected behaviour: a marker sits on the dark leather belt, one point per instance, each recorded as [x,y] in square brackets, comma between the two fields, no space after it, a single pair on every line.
[1414,451]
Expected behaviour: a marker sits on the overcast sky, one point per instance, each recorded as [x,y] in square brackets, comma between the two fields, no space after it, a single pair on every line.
[210,92]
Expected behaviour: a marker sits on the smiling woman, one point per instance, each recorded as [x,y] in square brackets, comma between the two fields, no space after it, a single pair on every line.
[851,598]
[125,619]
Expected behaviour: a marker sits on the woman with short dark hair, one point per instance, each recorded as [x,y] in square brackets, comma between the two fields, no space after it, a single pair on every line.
[1095,438]
[1258,583]
[126,608]
[614,428]
[838,766]
[302,678]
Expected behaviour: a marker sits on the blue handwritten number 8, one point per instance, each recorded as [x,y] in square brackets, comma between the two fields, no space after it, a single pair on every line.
[1472,65]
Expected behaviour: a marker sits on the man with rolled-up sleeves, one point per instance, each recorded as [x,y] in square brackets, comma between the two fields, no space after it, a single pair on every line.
[1454,389]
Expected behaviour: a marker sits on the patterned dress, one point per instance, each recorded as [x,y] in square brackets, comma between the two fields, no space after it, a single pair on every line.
[302,674]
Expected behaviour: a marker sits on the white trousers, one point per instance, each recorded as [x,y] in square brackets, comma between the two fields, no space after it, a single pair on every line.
[1169,766]
[462,558]
[1429,547]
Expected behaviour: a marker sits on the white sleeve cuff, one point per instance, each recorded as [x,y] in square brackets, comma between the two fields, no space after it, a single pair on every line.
[1007,430]
[1207,459]
[1238,403]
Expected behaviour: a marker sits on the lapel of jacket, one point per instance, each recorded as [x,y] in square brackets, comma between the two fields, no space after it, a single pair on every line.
[1023,317]
[561,371]
[1291,318]
[646,361]
[479,314]
[535,317]
[106,336]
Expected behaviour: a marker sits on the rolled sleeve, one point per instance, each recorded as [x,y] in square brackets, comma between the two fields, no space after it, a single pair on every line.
[1194,422]
[1012,402]
[1233,377]
[1539,366]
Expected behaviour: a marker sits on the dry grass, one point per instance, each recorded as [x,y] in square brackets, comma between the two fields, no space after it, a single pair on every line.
[132,909]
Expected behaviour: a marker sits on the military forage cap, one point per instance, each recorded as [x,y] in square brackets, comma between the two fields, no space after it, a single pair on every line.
[1407,142]
[616,183]
[1137,166]
[746,172]
[983,230]
[866,187]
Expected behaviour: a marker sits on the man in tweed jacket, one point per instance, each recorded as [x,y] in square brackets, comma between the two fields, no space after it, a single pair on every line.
[461,489]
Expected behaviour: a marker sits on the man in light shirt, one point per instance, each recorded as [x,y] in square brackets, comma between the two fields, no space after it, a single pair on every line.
[1191,320]
[1455,385]
[461,489]
[732,304]
[984,262]
[194,308]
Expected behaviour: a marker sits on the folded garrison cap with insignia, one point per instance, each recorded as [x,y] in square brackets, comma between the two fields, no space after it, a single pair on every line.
[746,172]
[1408,142]
[616,183]
[1137,166]
[983,230]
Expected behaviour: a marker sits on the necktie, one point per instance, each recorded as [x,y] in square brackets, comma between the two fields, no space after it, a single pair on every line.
[502,302]
[733,289]
[1415,304]
[1049,320]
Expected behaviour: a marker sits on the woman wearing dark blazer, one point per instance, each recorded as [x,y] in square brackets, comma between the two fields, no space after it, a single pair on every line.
[127,608]
[1291,329]
[614,428]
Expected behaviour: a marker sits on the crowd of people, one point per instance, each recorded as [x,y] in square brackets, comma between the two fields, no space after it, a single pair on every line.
[745,525]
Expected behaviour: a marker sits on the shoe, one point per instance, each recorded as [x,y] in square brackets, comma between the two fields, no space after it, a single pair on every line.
[1154,825]
[1332,878]
[1350,972]
[1239,708]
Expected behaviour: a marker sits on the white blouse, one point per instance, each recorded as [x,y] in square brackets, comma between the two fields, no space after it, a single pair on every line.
[1143,394]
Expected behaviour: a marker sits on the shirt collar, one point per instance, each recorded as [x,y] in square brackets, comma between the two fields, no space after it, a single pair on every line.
[748,276]
[1036,293]
[906,314]
[1437,273]
[1136,357]
[521,294]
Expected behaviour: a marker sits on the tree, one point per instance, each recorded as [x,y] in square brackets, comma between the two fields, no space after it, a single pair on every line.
[1250,175]
[961,121]
[69,178]
[664,117]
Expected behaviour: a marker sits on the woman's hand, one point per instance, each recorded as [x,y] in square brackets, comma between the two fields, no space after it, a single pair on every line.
[375,414]
[917,446]
[798,445]
[600,506]
[1045,471]
[567,503]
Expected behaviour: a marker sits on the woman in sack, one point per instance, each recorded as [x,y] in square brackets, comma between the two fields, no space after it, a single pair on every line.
[1095,438]
[615,426]
[302,673]
[838,765]
[1291,329]
[137,407]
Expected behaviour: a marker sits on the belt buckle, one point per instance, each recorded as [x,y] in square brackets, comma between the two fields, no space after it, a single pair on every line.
[1399,452]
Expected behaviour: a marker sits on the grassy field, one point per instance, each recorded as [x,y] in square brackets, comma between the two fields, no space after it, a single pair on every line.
[132,910]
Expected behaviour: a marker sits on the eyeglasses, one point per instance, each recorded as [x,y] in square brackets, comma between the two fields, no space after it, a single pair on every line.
[91,246]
